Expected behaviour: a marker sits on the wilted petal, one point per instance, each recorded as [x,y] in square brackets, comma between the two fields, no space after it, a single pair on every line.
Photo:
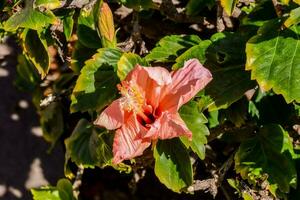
[126,143]
[186,83]
[112,117]
[169,126]
[151,80]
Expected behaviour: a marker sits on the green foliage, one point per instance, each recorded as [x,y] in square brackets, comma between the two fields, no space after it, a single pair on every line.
[271,152]
[62,191]
[195,122]
[93,89]
[294,18]
[75,53]
[172,164]
[226,59]
[35,46]
[48,4]
[30,17]
[169,47]
[89,146]
[265,54]
[86,30]
[127,62]
[27,77]
[51,119]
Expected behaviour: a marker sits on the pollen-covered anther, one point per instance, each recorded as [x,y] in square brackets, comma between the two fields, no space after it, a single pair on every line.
[133,99]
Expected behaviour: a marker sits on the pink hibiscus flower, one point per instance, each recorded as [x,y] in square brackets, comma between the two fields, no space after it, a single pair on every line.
[148,107]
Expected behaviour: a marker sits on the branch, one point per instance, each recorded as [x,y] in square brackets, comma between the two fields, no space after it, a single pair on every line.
[77,182]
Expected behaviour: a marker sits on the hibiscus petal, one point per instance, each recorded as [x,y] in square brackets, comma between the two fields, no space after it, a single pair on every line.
[112,117]
[150,80]
[126,143]
[172,126]
[186,83]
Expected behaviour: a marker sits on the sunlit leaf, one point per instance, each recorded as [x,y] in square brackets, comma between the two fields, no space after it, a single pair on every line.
[172,164]
[197,51]
[273,56]
[294,18]
[170,47]
[228,5]
[195,122]
[105,25]
[30,18]
[127,62]
[62,191]
[96,84]
[48,4]
[37,51]
[270,152]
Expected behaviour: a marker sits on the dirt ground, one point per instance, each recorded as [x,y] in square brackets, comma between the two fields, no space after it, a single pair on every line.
[24,162]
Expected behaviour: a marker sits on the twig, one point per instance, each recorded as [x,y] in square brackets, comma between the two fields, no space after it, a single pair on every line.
[77,181]
[212,184]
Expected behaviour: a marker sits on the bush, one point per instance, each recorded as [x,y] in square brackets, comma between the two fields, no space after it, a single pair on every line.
[218,110]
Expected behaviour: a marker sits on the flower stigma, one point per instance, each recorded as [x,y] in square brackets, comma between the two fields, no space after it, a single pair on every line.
[133,100]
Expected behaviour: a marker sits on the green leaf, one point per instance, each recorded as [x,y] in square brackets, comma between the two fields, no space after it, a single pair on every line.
[86,30]
[65,189]
[78,58]
[89,146]
[170,47]
[104,22]
[52,123]
[262,12]
[48,4]
[47,193]
[270,152]
[68,23]
[226,59]
[195,122]
[62,191]
[27,77]
[273,56]
[197,51]
[194,7]
[127,62]
[36,49]
[294,18]
[96,84]
[228,5]
[30,18]
[172,164]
